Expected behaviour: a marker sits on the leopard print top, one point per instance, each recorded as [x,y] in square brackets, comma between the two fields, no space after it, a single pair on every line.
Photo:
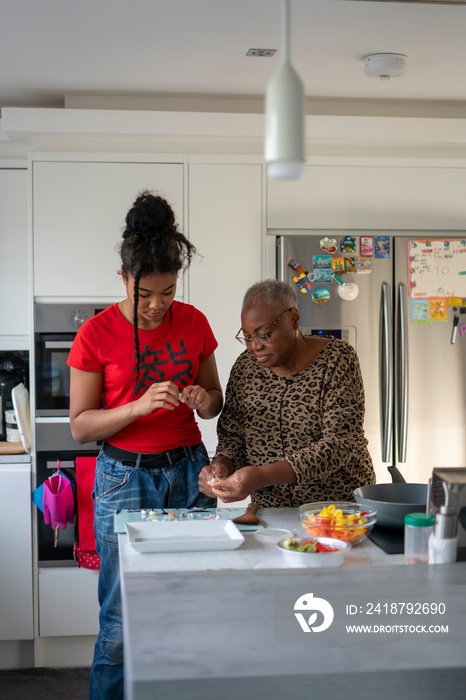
[313,419]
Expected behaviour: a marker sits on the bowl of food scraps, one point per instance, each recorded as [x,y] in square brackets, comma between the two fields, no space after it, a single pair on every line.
[316,551]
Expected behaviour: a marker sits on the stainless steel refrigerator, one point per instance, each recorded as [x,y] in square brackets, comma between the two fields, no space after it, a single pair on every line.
[411,293]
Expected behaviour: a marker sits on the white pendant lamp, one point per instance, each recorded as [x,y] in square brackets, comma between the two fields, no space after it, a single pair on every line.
[284,119]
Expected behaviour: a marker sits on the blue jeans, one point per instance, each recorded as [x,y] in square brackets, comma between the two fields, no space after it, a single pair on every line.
[118,487]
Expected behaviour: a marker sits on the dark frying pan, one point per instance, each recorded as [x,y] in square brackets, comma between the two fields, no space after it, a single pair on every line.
[393,501]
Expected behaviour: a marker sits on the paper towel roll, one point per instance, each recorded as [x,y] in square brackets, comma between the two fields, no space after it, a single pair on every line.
[442,551]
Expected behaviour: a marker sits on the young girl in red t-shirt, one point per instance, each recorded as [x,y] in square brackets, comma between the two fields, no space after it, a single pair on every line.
[139,370]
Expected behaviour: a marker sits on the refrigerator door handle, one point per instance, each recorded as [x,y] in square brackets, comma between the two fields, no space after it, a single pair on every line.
[402,372]
[386,372]
[280,258]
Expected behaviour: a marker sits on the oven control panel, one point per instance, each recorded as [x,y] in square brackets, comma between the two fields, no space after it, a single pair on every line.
[78,317]
[63,318]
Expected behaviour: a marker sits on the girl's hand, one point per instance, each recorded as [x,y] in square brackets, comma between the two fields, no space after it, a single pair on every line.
[196,397]
[158,395]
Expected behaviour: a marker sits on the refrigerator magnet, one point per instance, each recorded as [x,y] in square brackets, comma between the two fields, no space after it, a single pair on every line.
[338,265]
[381,246]
[322,276]
[366,246]
[321,262]
[295,265]
[350,265]
[328,245]
[419,310]
[320,295]
[348,245]
[438,309]
[303,283]
[363,265]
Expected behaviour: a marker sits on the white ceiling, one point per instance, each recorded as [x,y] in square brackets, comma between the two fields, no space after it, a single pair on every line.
[50,49]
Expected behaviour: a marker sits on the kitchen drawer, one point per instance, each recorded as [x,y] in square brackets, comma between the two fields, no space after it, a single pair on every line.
[16,614]
[68,604]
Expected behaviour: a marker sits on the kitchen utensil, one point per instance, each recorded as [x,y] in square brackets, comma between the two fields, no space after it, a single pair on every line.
[11,448]
[248,517]
[315,559]
[349,526]
[20,398]
[392,501]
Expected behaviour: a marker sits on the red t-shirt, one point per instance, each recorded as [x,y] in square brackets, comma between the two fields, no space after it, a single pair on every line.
[173,351]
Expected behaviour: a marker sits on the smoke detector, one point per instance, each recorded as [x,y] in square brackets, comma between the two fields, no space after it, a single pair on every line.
[385,65]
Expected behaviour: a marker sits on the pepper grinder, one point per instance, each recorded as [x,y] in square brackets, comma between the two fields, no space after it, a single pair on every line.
[444,540]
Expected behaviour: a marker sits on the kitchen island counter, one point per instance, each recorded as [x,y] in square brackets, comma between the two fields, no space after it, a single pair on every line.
[198,628]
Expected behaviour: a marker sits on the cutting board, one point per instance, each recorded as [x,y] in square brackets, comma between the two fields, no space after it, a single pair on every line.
[11,448]
[120,517]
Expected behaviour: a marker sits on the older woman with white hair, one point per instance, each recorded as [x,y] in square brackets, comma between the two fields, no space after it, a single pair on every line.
[291,430]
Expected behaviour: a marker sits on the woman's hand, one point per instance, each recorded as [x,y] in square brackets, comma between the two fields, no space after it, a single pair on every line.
[196,397]
[158,395]
[219,469]
[236,487]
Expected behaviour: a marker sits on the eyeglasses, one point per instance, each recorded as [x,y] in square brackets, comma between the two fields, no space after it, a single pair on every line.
[260,339]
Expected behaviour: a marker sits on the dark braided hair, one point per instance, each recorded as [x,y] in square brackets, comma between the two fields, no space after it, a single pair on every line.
[152,243]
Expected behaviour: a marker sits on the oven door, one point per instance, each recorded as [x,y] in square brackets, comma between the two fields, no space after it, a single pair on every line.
[52,373]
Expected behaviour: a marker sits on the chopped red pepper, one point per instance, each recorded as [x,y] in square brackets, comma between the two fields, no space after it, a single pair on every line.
[325,548]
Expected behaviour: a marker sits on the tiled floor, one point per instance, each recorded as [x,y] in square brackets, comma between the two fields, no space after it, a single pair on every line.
[45,684]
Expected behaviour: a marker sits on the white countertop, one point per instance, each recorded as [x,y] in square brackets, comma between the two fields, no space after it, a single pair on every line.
[254,553]
[22,458]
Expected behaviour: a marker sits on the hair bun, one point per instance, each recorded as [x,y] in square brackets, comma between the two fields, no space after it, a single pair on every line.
[149,215]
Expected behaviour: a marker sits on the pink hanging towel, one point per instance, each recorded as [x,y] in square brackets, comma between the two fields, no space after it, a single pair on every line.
[84,551]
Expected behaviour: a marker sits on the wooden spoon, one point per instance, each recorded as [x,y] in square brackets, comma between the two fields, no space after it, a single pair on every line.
[248,518]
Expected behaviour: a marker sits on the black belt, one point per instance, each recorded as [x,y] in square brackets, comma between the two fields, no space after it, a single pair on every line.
[148,460]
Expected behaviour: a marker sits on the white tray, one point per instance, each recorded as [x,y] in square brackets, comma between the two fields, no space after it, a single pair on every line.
[178,536]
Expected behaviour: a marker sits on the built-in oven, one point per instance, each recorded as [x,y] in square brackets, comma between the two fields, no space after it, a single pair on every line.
[55,328]
[55,447]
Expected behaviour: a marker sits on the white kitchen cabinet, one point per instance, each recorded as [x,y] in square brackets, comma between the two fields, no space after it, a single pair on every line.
[16,617]
[14,276]
[79,209]
[225,225]
[68,604]
[384,196]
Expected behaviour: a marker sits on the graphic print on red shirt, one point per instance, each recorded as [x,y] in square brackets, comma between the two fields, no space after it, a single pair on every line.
[150,366]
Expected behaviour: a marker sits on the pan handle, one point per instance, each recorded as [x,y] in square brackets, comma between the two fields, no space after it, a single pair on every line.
[397,476]
[386,371]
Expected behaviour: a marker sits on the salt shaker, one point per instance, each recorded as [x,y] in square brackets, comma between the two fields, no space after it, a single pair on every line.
[418,529]
[443,541]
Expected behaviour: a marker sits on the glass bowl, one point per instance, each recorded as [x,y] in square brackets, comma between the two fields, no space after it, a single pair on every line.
[298,559]
[342,520]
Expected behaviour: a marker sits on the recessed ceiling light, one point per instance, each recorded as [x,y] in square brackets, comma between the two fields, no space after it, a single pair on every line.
[261,53]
